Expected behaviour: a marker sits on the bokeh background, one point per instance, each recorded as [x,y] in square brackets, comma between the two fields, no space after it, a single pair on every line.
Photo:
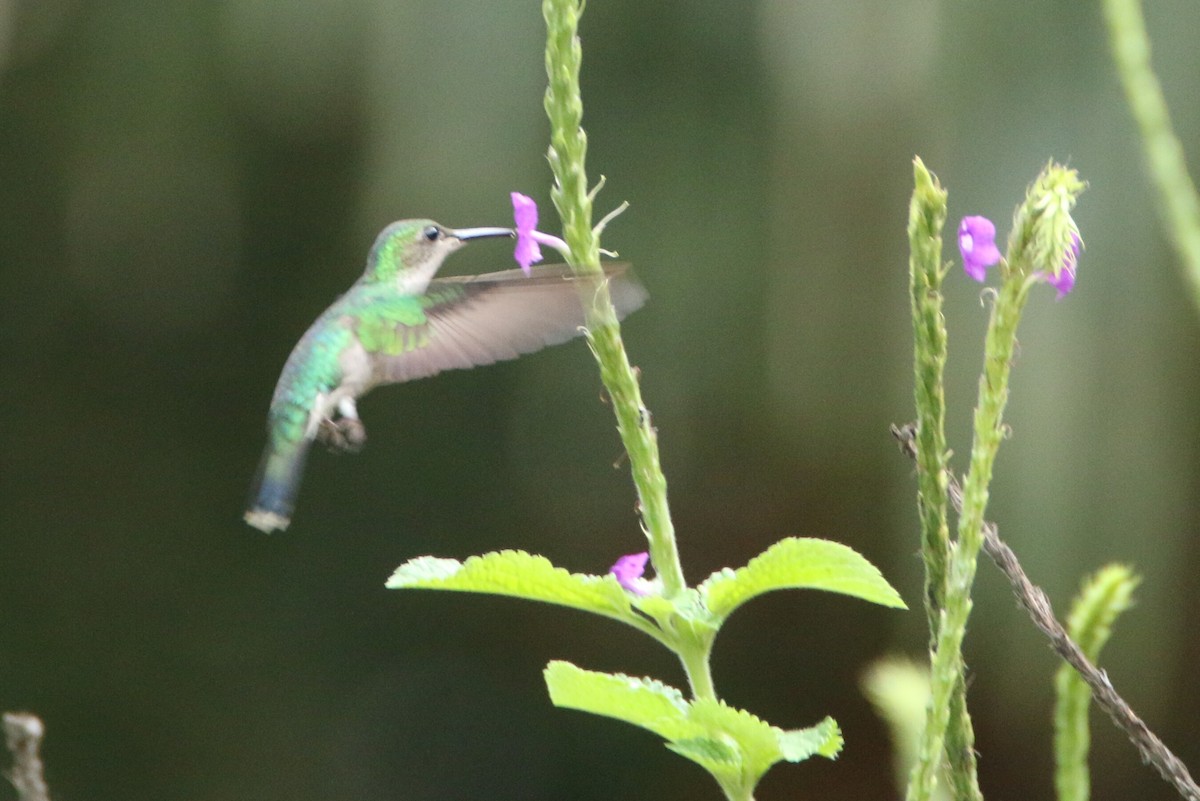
[185,185]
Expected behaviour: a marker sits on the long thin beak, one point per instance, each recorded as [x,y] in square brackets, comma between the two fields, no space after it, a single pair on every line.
[482,233]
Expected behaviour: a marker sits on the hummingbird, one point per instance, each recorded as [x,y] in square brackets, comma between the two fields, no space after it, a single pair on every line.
[399,323]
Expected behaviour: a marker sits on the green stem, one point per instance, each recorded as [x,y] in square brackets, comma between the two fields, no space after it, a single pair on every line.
[1103,597]
[960,747]
[568,150]
[947,667]
[1178,200]
[927,216]
[699,672]
[737,792]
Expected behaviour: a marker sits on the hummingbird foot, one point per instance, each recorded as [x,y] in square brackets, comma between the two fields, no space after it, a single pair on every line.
[344,435]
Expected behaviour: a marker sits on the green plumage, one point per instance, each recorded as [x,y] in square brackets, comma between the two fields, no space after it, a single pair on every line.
[371,314]
[398,324]
[312,368]
[389,325]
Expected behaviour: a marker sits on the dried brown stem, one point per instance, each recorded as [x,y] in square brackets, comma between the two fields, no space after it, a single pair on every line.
[23,735]
[1034,601]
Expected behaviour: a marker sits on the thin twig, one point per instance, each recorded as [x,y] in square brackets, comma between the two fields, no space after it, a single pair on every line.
[1034,601]
[23,734]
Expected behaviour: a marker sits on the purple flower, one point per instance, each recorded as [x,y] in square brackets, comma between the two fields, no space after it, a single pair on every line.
[628,571]
[1065,281]
[977,244]
[525,215]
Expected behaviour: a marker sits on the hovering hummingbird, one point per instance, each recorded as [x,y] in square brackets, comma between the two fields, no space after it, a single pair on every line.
[398,323]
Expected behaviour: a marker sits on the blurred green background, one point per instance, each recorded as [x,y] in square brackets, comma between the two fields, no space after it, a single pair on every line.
[184,186]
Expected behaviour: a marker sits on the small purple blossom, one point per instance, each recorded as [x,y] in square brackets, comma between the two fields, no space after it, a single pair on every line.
[628,571]
[525,215]
[1065,281]
[977,244]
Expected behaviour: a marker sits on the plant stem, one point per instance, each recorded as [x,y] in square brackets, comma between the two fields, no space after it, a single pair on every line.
[1033,600]
[947,668]
[1178,201]
[927,216]
[1104,596]
[568,150]
[699,672]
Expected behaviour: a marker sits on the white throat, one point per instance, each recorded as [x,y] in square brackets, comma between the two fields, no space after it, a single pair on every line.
[415,280]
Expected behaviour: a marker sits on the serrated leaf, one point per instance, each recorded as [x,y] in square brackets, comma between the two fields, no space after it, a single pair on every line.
[732,744]
[712,754]
[643,702]
[720,759]
[520,575]
[758,741]
[655,606]
[799,563]
[823,739]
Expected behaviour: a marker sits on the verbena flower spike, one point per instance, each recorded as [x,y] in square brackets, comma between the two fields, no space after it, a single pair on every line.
[733,745]
[1064,282]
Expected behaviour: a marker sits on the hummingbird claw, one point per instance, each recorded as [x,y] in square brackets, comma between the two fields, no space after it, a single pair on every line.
[344,435]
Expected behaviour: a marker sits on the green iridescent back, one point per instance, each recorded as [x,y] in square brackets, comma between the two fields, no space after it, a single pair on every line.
[383,321]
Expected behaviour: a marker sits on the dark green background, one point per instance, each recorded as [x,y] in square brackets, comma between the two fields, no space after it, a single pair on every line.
[185,185]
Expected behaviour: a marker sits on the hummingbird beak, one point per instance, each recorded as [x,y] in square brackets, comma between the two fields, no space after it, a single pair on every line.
[482,233]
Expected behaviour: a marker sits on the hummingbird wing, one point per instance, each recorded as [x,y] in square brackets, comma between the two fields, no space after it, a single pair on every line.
[481,319]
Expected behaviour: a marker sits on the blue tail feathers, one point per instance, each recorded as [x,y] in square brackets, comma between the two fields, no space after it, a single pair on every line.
[273,496]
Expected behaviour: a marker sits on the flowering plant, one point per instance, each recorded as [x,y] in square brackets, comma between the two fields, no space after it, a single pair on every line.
[735,746]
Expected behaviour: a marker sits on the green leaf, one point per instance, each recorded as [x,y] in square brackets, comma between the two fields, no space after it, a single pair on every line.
[643,702]
[899,690]
[799,563]
[823,739]
[657,607]
[722,760]
[520,575]
[757,740]
[732,744]
[714,756]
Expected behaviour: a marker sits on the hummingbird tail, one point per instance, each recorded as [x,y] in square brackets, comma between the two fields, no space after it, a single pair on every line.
[273,494]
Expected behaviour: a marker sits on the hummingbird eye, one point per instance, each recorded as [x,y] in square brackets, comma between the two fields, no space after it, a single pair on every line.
[432,233]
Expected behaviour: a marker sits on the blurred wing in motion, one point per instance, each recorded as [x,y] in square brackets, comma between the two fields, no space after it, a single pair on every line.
[481,319]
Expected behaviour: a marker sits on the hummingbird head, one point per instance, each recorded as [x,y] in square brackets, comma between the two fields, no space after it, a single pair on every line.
[410,252]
